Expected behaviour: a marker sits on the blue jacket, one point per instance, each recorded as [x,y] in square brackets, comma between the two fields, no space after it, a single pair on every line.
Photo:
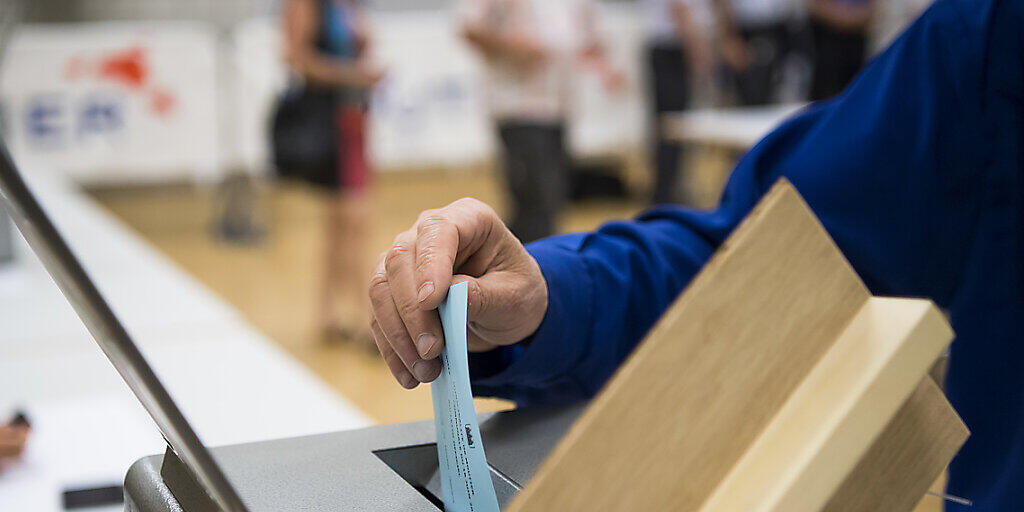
[915,170]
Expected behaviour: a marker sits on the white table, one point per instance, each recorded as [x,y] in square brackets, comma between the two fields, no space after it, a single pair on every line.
[232,383]
[732,128]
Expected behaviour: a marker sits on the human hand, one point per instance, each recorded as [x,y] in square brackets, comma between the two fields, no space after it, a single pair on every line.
[464,241]
[369,73]
[699,56]
[12,441]
[526,50]
[613,80]
[736,53]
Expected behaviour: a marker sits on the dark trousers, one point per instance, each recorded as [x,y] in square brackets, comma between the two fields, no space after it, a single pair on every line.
[670,92]
[769,46]
[838,57]
[535,165]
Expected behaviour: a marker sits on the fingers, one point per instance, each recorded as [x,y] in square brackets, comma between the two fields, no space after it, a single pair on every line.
[12,441]
[423,328]
[437,244]
[391,333]
[447,237]
[395,364]
[507,292]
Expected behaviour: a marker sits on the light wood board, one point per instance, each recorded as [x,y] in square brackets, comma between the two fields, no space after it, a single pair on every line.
[909,455]
[829,423]
[726,361]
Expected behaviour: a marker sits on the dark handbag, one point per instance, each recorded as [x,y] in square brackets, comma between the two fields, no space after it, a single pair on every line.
[304,133]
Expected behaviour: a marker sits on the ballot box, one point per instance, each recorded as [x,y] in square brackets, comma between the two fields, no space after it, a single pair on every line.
[385,468]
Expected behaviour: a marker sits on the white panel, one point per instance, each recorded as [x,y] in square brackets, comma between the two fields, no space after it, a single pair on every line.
[125,101]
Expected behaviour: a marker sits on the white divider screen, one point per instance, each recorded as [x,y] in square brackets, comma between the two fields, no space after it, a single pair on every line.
[114,102]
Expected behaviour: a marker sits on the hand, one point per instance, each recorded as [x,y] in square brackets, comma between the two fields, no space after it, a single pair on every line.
[464,241]
[698,55]
[613,81]
[736,53]
[12,441]
[526,50]
[368,74]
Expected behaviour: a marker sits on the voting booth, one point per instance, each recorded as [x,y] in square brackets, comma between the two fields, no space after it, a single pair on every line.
[775,382]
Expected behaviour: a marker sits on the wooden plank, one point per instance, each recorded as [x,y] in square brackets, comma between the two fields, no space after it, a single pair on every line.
[906,458]
[840,409]
[709,377]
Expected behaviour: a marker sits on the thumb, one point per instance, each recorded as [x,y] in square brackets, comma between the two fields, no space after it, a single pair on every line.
[503,307]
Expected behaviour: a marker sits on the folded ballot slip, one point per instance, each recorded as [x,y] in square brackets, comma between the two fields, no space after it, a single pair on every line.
[465,478]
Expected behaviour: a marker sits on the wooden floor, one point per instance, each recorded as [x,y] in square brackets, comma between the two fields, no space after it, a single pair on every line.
[275,283]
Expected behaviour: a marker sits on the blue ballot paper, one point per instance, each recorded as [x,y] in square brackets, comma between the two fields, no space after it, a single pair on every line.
[465,478]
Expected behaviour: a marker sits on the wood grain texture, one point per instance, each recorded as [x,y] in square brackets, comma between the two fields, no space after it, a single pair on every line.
[840,409]
[907,457]
[690,400]
[775,383]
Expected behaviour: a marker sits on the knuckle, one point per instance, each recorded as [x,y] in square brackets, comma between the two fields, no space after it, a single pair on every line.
[426,259]
[379,287]
[399,251]
[432,222]
[469,202]
[432,216]
[479,300]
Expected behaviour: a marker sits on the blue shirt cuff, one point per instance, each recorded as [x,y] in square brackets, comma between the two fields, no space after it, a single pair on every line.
[556,346]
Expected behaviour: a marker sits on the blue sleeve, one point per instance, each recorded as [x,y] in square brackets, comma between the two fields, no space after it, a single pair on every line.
[885,166]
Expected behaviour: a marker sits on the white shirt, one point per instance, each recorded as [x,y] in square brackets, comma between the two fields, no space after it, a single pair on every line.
[660,23]
[540,92]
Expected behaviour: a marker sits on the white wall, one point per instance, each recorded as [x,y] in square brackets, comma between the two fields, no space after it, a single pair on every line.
[77,99]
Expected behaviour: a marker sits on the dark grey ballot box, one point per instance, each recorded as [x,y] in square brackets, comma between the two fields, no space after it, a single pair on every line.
[386,468]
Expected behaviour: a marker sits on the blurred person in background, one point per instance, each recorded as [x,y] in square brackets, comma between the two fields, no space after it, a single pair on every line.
[678,48]
[756,38]
[840,30]
[320,138]
[532,50]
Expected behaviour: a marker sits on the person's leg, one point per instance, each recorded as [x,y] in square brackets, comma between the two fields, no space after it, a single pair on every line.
[516,146]
[768,45]
[838,57]
[348,214]
[754,82]
[549,168]
[670,91]
[351,216]
[855,53]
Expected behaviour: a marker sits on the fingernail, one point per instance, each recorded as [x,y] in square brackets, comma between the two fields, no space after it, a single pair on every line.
[424,343]
[425,290]
[422,370]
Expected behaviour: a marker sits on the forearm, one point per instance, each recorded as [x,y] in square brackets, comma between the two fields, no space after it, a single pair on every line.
[843,16]
[329,71]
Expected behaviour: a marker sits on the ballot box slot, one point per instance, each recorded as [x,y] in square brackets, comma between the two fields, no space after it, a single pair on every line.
[417,465]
